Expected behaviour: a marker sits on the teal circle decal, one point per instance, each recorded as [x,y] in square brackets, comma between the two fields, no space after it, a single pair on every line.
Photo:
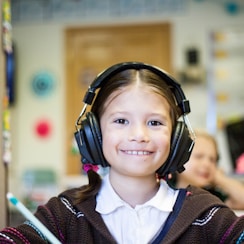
[43,84]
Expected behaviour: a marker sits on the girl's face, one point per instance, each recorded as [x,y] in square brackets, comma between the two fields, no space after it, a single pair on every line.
[136,130]
[201,167]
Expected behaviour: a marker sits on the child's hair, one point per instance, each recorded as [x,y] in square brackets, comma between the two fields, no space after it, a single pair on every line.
[123,79]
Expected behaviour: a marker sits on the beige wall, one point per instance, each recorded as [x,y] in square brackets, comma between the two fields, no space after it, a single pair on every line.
[3,208]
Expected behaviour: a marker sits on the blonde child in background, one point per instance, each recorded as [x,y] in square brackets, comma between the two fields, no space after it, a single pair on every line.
[202,171]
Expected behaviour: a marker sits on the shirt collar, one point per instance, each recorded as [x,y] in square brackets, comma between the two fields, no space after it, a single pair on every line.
[108,200]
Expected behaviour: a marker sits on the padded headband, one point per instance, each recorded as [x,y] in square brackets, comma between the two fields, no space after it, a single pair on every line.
[104,76]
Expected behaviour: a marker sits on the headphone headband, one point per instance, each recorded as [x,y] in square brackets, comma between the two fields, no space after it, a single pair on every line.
[115,69]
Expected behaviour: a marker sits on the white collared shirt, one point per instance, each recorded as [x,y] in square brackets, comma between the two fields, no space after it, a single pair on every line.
[137,225]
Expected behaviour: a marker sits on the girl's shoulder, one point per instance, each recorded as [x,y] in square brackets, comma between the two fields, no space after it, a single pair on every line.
[203,197]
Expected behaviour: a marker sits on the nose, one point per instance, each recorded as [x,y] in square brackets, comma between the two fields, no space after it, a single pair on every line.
[139,133]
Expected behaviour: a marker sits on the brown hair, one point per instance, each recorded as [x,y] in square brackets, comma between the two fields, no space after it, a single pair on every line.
[123,79]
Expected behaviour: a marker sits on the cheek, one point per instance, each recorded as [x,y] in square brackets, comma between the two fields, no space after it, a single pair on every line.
[164,145]
[106,142]
[212,170]
[109,143]
[167,146]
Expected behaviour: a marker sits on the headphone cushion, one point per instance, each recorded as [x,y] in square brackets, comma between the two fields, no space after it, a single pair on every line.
[94,138]
[89,140]
[176,139]
[95,128]
[183,148]
[180,150]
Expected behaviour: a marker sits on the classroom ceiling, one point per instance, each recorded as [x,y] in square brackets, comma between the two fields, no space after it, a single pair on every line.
[68,10]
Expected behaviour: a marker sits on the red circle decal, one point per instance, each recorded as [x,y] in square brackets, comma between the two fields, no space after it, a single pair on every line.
[43,129]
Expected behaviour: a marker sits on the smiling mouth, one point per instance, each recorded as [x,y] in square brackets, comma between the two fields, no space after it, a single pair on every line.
[134,152]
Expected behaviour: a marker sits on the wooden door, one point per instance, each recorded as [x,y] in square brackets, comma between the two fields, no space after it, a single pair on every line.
[89,50]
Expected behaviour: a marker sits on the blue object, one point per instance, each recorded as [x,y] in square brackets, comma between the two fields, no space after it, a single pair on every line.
[43,83]
[232,7]
[10,76]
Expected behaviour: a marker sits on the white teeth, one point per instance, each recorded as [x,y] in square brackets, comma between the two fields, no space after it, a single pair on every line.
[137,152]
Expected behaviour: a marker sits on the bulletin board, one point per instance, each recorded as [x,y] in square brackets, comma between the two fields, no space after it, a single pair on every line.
[226,90]
[227,72]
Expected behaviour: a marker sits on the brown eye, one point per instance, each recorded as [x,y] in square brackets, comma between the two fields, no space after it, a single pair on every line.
[154,123]
[121,121]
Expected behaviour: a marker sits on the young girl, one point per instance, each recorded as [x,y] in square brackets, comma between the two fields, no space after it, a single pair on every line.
[133,128]
[202,171]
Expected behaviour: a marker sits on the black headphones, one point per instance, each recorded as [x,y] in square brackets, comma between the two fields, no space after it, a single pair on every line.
[89,138]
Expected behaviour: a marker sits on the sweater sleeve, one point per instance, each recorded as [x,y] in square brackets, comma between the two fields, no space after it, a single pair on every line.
[54,215]
[226,226]
[215,223]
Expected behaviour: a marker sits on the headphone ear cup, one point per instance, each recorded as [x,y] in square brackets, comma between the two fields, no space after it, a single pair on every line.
[93,137]
[180,150]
